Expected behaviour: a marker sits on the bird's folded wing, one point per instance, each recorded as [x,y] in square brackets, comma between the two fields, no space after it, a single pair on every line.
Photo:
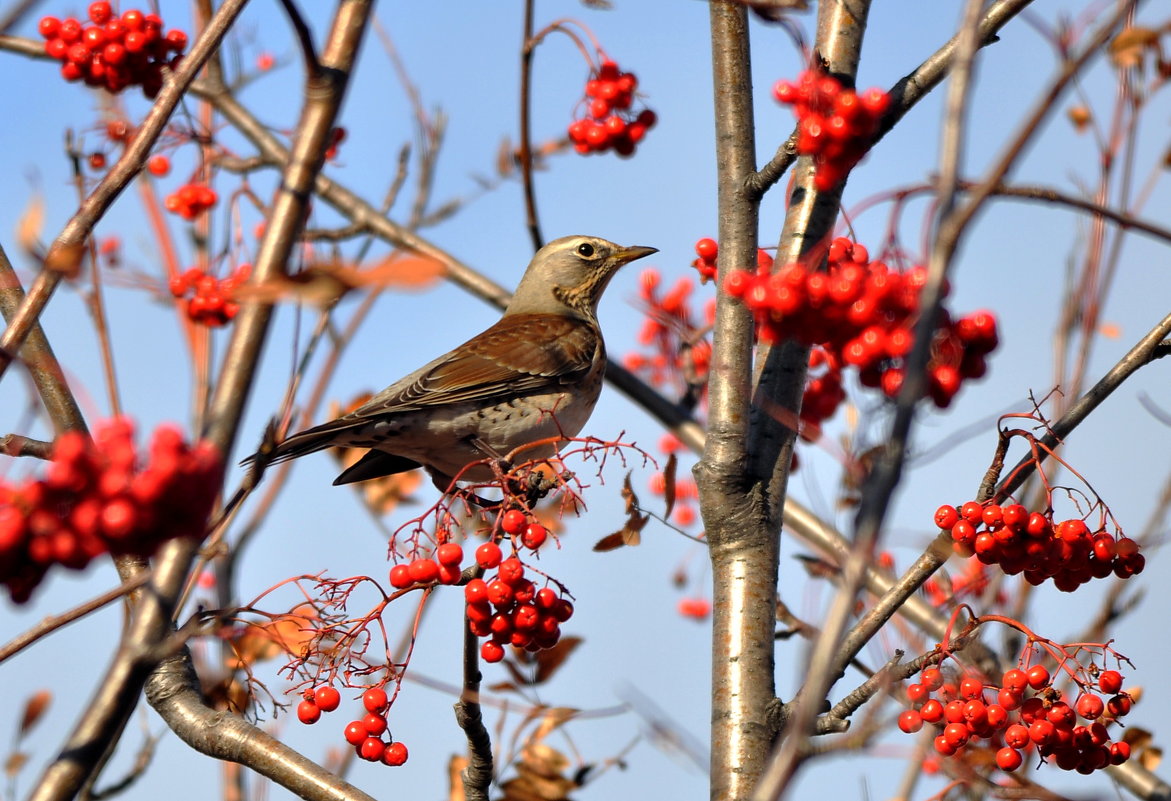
[520,354]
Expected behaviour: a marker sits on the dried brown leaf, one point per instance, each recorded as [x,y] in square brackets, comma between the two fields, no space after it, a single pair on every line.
[323,283]
[550,659]
[455,783]
[505,158]
[610,542]
[1127,48]
[16,760]
[283,634]
[504,687]
[1151,758]
[552,718]
[30,224]
[1137,737]
[669,483]
[629,495]
[34,708]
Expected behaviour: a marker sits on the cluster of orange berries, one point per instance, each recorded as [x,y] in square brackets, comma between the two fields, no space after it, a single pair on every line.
[609,123]
[670,330]
[862,313]
[834,124]
[1026,713]
[115,52]
[707,250]
[209,300]
[1032,544]
[190,200]
[97,497]
[365,734]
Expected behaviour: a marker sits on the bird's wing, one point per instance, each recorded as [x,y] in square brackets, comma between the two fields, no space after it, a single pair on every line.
[517,355]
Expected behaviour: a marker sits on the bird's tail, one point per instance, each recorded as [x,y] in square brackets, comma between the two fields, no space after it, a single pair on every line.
[311,440]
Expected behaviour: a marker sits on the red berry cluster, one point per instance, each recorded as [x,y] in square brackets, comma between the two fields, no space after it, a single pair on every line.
[364,734]
[507,608]
[834,125]
[708,249]
[669,328]
[97,498]
[115,51]
[1033,544]
[696,608]
[862,313]
[209,298]
[1027,713]
[191,200]
[609,123]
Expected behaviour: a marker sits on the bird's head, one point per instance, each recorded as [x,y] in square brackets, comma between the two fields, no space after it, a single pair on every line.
[571,273]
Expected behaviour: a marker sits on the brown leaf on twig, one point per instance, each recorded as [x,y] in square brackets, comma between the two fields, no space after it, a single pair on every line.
[630,534]
[1080,116]
[283,634]
[455,782]
[28,227]
[326,282]
[1130,45]
[34,708]
[550,659]
[16,760]
[669,483]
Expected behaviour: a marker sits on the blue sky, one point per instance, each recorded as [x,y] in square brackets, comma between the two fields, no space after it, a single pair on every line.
[467,64]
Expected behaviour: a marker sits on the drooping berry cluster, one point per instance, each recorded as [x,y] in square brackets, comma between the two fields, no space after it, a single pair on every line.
[191,200]
[1025,713]
[1032,544]
[681,351]
[609,122]
[115,52]
[834,124]
[365,734]
[97,497]
[862,313]
[209,298]
[507,608]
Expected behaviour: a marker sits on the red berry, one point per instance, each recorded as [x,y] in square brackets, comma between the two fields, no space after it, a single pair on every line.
[158,165]
[1038,677]
[449,553]
[1090,706]
[395,754]
[375,700]
[910,721]
[375,724]
[1016,736]
[1016,680]
[308,712]
[946,517]
[1009,759]
[327,698]
[100,12]
[534,536]
[491,651]
[932,711]
[371,749]
[489,555]
[1110,681]
[400,577]
[511,571]
[956,734]
[423,570]
[917,693]
[513,521]
[355,732]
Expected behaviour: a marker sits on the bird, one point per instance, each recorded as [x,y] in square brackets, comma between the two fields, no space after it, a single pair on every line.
[534,375]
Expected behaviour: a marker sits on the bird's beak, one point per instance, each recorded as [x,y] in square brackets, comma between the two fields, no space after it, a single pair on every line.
[625,255]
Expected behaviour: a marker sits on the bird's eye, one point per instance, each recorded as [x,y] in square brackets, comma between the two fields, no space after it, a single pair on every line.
[585,249]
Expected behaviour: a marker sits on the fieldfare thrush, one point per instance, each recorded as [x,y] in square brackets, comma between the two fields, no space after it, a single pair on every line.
[536,374]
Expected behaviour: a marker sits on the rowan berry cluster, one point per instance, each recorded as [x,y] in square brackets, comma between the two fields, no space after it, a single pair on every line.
[97,497]
[115,52]
[834,124]
[609,122]
[1033,544]
[190,200]
[680,347]
[1024,714]
[209,300]
[862,313]
[364,734]
[507,608]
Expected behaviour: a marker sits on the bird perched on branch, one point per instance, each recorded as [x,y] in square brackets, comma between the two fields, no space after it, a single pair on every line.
[535,374]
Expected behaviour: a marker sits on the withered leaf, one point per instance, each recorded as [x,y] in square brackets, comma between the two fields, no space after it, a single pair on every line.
[610,542]
[16,760]
[550,659]
[455,784]
[28,227]
[1127,48]
[283,634]
[34,708]
[1151,758]
[669,483]
[503,687]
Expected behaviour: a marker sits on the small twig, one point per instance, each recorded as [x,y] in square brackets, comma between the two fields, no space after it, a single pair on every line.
[304,38]
[19,445]
[525,149]
[477,776]
[54,622]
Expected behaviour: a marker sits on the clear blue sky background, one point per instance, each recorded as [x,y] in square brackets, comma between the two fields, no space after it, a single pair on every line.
[464,60]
